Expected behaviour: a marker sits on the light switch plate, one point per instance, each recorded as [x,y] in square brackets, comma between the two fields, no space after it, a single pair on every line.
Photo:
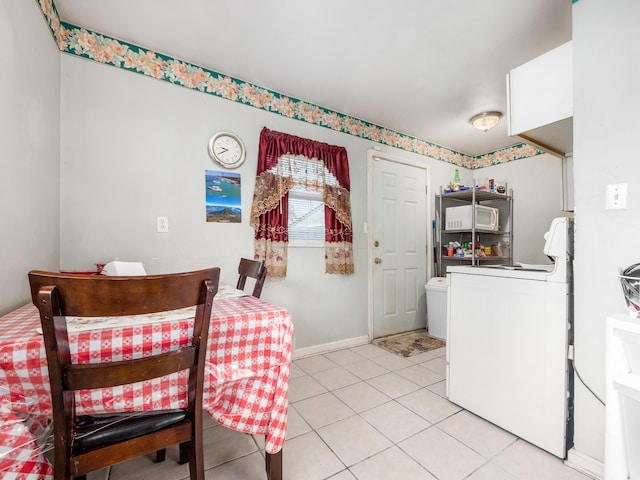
[616,196]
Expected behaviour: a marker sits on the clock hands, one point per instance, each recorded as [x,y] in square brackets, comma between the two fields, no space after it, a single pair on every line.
[222,150]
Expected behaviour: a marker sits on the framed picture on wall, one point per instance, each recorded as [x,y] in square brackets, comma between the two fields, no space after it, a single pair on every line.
[223,199]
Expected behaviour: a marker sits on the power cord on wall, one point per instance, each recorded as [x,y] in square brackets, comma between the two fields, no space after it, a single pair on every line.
[575,369]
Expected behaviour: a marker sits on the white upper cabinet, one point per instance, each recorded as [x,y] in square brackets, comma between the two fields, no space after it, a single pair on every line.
[540,101]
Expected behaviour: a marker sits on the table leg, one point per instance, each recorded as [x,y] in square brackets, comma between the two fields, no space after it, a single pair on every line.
[273,463]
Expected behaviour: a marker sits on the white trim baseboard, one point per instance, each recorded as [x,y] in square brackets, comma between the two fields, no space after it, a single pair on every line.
[585,464]
[329,347]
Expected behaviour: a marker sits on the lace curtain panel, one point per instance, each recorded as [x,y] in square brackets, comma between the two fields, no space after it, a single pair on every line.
[278,172]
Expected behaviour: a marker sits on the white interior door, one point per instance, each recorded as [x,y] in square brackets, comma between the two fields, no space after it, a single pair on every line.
[399,247]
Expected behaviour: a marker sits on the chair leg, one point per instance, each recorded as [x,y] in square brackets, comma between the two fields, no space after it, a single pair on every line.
[194,454]
[184,453]
[161,455]
[273,463]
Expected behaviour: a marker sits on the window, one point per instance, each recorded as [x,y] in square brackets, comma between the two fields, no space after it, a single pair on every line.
[306,218]
[314,177]
[306,205]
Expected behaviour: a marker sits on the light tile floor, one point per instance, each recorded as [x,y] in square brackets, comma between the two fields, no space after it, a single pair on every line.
[366,414]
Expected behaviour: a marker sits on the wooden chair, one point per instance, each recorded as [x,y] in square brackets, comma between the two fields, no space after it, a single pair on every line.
[252,269]
[86,443]
[256,269]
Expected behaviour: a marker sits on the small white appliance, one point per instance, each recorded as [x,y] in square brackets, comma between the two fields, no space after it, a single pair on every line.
[464,216]
[622,412]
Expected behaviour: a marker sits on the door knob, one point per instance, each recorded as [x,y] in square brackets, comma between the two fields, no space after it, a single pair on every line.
[376,243]
[377,260]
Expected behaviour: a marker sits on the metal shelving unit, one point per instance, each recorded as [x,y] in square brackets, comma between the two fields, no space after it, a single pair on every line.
[504,203]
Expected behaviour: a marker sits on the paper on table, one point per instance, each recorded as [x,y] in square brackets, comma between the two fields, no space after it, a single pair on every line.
[118,268]
[79,324]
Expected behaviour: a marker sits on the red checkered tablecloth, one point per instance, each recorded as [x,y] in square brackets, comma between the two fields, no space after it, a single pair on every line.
[21,456]
[246,376]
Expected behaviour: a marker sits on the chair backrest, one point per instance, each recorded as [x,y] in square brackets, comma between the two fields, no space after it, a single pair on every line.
[58,295]
[251,269]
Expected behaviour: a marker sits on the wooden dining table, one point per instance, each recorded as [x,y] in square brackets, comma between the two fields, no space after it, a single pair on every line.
[246,376]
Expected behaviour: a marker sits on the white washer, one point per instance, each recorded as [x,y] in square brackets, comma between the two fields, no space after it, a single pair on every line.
[436,289]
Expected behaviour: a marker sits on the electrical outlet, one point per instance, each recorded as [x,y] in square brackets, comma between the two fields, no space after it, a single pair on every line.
[616,196]
[163,224]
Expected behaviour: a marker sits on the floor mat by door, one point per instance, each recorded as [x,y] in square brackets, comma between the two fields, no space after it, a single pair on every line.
[410,343]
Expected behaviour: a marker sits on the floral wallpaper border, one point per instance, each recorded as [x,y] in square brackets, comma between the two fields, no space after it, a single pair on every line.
[110,51]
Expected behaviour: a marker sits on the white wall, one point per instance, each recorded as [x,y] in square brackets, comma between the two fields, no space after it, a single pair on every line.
[537,199]
[606,48]
[29,158]
[134,148]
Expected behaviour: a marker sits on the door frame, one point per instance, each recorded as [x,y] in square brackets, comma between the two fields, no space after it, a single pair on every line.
[376,153]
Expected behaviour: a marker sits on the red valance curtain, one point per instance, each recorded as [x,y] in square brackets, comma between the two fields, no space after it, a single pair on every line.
[277,175]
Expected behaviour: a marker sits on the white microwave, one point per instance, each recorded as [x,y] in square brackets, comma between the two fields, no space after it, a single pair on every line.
[461,218]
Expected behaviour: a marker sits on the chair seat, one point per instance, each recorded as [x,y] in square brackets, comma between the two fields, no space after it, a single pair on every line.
[105,429]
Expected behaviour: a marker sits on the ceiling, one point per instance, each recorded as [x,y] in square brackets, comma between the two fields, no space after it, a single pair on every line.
[420,67]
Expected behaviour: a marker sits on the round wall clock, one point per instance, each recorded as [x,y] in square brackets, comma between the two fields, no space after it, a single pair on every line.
[227,149]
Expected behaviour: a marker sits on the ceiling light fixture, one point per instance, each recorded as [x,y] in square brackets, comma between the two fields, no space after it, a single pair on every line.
[486,120]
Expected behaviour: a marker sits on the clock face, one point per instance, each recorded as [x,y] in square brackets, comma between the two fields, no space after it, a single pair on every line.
[227,149]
